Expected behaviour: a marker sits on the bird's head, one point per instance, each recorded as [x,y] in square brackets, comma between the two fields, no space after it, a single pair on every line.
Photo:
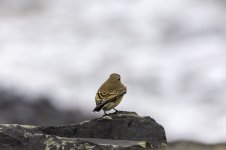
[115,77]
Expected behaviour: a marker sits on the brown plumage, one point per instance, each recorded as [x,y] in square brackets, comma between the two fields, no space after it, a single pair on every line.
[110,94]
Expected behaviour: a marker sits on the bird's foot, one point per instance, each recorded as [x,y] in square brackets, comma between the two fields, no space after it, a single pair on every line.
[116,110]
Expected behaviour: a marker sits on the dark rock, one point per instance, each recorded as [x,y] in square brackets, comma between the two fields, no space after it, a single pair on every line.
[21,137]
[120,125]
[122,130]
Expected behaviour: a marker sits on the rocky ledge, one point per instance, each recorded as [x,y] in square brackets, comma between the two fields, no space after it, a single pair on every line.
[121,130]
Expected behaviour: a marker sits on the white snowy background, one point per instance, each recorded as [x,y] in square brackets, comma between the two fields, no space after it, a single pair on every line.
[170,54]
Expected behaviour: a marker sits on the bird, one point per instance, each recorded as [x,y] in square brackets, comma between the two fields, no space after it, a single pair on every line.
[110,94]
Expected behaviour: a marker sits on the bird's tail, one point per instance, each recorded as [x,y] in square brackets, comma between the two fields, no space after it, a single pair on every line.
[101,105]
[97,108]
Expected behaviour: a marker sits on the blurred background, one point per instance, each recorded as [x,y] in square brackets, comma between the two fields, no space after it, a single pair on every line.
[55,54]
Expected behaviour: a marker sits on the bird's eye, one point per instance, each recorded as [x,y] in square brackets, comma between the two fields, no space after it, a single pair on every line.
[119,79]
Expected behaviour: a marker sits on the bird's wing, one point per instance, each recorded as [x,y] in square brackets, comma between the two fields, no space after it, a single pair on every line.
[103,97]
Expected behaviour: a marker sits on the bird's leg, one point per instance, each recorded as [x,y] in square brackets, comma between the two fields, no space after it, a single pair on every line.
[105,113]
[115,110]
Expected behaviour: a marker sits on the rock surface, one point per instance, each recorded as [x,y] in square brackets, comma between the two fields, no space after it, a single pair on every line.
[122,130]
